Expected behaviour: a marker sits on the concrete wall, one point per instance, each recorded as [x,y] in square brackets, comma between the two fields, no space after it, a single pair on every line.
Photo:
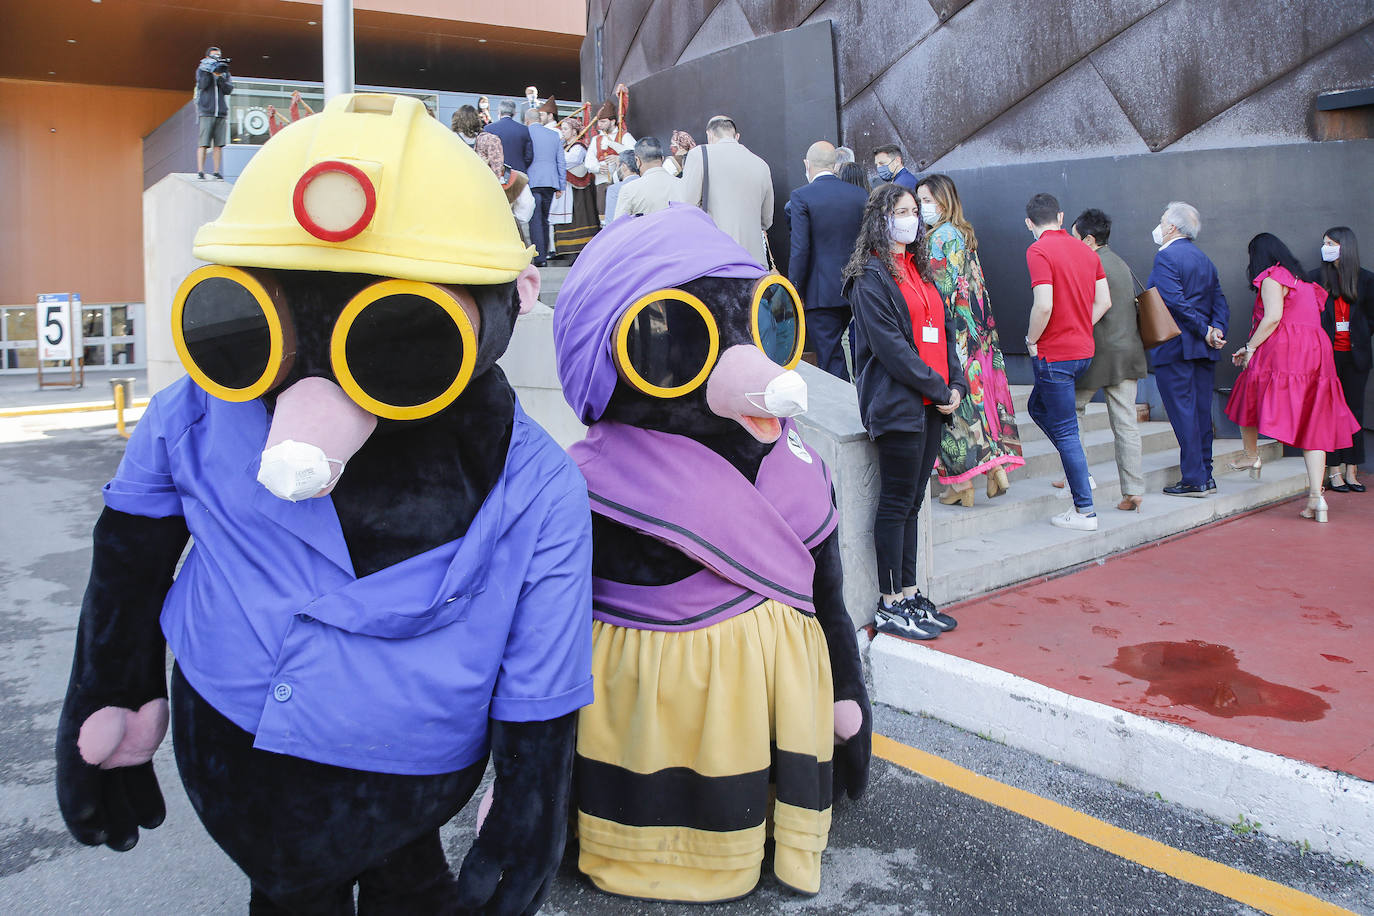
[173,209]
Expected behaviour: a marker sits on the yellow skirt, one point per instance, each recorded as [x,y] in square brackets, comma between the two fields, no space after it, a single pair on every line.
[698,746]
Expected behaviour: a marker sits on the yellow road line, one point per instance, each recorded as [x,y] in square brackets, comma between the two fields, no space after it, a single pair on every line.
[80,408]
[1260,893]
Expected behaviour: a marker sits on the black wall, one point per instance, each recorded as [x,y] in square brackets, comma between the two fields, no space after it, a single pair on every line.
[780,90]
[1295,191]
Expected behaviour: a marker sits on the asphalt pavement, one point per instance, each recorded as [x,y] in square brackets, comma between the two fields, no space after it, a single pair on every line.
[912,845]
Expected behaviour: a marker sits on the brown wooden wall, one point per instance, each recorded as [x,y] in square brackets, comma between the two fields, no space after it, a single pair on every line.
[71,188]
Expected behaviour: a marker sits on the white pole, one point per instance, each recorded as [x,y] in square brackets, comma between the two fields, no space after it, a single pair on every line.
[337,20]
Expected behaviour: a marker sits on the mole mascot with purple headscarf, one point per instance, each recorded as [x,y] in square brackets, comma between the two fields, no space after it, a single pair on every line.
[350,647]
[730,703]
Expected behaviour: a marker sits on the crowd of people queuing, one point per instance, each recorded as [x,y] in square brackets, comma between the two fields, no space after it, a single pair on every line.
[895,298]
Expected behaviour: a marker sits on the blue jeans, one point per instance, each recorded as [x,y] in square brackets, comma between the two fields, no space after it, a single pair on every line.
[1053,408]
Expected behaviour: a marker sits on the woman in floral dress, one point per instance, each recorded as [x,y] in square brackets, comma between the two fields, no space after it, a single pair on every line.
[983,437]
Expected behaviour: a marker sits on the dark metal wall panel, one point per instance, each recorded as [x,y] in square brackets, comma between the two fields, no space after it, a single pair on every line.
[768,16]
[790,102]
[725,27]
[870,36]
[1177,69]
[988,58]
[1236,191]
[172,146]
[669,28]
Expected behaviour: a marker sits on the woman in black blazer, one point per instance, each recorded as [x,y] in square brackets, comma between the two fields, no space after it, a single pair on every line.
[909,382]
[1350,292]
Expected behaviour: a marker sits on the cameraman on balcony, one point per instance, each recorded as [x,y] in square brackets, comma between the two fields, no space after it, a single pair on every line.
[213,86]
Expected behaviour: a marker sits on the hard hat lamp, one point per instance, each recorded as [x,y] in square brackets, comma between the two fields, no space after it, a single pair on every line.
[334,201]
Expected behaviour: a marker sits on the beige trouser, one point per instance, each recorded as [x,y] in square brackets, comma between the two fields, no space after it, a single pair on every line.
[1125,434]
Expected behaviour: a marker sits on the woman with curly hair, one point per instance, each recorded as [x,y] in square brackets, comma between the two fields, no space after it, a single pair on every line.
[983,437]
[909,383]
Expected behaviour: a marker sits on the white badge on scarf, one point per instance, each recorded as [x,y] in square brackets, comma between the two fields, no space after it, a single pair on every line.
[794,442]
[930,334]
[1343,326]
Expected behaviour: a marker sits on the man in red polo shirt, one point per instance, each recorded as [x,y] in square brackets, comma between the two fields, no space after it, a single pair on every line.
[1070,295]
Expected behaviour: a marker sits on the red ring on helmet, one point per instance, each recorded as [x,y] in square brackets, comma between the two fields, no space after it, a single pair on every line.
[315,229]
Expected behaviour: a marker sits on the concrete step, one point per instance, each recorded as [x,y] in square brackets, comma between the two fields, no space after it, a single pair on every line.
[551,279]
[974,565]
[1035,500]
[1043,460]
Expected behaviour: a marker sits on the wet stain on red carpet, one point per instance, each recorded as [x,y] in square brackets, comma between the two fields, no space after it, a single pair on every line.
[1207,677]
[1336,658]
[1109,632]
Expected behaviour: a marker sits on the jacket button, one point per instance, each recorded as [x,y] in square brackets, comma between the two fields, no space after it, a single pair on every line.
[281,693]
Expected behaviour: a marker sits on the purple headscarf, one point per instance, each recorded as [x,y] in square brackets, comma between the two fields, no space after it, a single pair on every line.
[632,256]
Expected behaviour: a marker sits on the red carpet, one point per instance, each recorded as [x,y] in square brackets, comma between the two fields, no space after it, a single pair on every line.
[1259,630]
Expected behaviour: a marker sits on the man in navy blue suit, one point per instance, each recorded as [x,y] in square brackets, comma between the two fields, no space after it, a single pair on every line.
[825,215]
[1185,366]
[515,137]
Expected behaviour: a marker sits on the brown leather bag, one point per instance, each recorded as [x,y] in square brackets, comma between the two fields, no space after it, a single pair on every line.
[1152,317]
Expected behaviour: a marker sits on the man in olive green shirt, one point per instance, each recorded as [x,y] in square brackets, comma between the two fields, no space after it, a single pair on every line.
[1118,359]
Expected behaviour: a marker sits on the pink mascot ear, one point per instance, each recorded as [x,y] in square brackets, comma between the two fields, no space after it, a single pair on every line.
[528,286]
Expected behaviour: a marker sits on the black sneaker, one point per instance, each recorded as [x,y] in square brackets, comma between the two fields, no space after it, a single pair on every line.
[200,175]
[923,611]
[219,176]
[896,621]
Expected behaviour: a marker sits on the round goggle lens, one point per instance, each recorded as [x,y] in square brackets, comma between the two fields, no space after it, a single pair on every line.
[226,332]
[668,343]
[779,324]
[404,350]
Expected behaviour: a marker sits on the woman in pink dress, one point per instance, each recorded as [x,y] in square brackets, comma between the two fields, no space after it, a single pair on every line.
[1288,389]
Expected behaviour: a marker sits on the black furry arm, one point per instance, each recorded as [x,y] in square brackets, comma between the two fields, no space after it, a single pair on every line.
[120,661]
[846,669]
[512,863]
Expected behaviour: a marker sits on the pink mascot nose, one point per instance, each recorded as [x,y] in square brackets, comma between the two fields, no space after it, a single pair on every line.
[748,387]
[315,429]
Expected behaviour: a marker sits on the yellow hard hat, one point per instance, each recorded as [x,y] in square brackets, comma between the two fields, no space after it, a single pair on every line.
[370,185]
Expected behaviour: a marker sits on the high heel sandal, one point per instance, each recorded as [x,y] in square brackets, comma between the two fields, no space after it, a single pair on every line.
[997,482]
[962,497]
[1316,508]
[1253,465]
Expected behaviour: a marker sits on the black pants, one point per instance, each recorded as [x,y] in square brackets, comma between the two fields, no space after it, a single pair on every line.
[539,223]
[905,461]
[1353,381]
[824,334]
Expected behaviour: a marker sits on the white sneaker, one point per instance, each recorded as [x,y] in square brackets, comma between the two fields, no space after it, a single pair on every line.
[1066,493]
[1075,520]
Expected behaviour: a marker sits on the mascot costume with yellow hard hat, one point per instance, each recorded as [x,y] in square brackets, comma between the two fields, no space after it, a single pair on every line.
[390,572]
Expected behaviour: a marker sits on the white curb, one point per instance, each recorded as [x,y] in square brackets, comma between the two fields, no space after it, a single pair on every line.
[1291,799]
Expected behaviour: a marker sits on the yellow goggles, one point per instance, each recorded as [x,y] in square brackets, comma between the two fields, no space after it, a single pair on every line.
[233,332]
[667,342]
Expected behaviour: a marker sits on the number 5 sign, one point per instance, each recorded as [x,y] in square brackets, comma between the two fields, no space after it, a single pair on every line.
[56,325]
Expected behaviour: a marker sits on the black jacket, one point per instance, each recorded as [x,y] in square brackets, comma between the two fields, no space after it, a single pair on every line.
[889,372]
[825,217]
[212,93]
[1361,318]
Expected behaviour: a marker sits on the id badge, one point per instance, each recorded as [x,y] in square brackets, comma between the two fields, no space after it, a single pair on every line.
[930,334]
[1343,326]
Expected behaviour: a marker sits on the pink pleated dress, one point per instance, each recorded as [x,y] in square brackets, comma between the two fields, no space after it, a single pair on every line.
[1290,390]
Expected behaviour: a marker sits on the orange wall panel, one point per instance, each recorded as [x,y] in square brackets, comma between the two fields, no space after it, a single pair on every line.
[71,188]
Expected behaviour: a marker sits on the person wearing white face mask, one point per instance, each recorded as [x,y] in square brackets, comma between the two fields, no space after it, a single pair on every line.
[983,438]
[1348,320]
[909,386]
[1185,367]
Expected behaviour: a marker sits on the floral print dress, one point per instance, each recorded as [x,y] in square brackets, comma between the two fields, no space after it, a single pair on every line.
[983,435]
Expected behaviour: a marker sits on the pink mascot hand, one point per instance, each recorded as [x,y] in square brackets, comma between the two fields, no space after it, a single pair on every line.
[117,737]
[849,718]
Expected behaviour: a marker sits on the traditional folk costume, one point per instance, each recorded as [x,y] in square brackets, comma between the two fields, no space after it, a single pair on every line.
[573,215]
[714,718]
[606,147]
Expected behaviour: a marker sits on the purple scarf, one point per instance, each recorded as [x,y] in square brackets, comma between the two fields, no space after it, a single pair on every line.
[753,540]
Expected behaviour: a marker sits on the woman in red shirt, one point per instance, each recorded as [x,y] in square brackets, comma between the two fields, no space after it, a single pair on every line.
[1348,321]
[909,383]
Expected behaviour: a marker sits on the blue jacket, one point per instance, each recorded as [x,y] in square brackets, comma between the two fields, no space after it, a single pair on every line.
[1187,281]
[825,218]
[548,167]
[399,671]
[515,142]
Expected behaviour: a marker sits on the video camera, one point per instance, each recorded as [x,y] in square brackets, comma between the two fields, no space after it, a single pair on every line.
[222,64]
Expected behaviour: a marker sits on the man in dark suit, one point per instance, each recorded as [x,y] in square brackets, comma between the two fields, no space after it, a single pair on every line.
[515,138]
[825,215]
[1185,366]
